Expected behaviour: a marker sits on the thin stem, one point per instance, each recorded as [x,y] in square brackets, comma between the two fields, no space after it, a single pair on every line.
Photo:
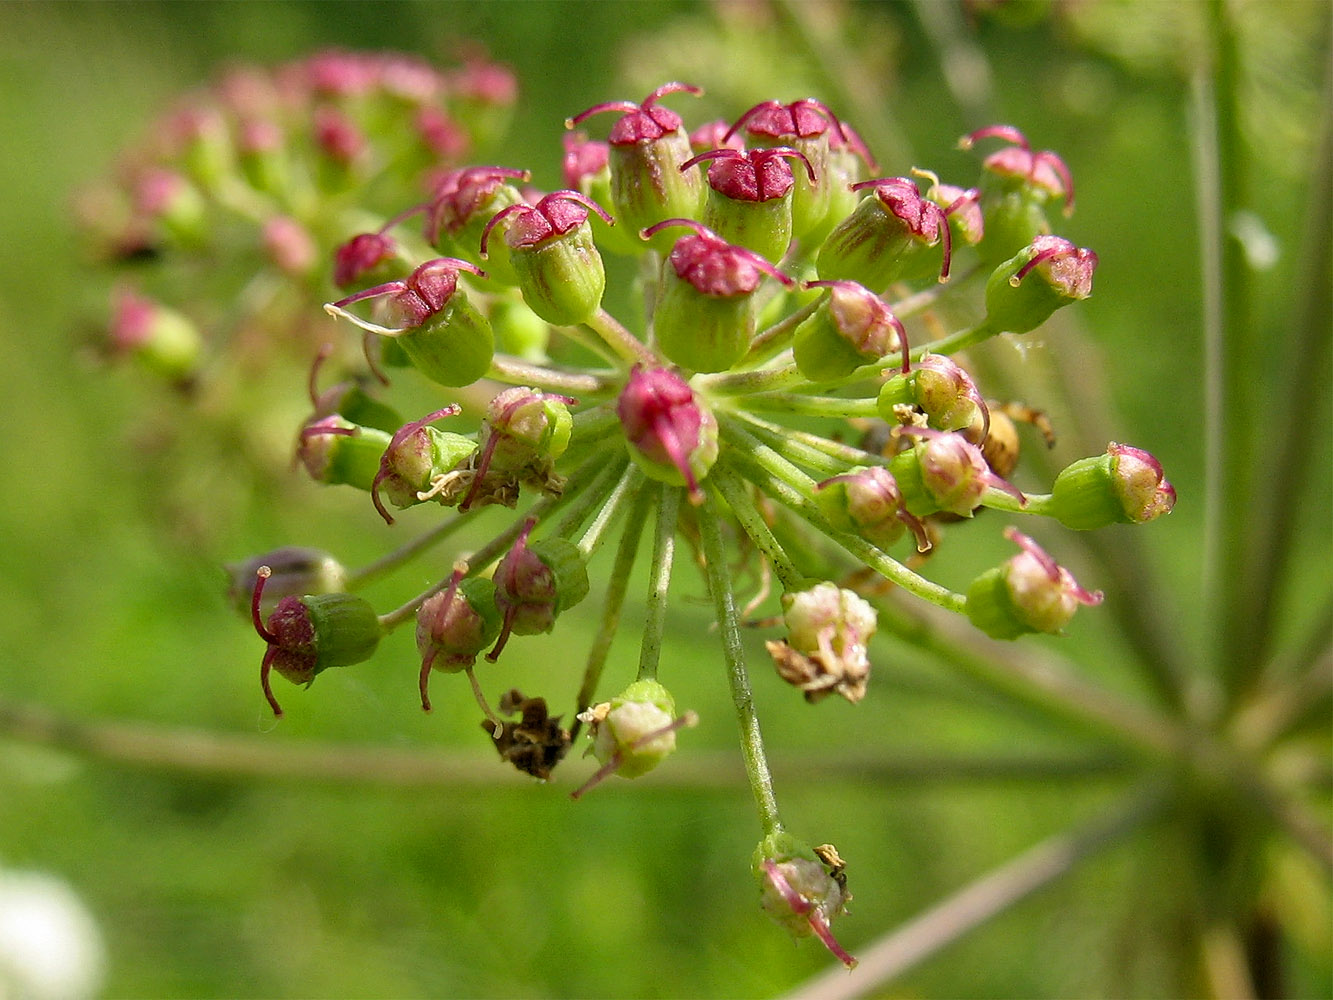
[752,523]
[514,371]
[390,562]
[956,341]
[183,750]
[773,340]
[992,894]
[811,406]
[1294,456]
[733,650]
[795,450]
[616,588]
[659,579]
[1229,351]
[792,488]
[627,346]
[595,494]
[496,547]
[842,454]
[630,481]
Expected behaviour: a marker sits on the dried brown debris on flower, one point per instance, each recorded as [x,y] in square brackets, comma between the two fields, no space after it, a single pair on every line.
[536,743]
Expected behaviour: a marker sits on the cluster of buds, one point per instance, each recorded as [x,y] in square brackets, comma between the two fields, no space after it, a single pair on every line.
[781,274]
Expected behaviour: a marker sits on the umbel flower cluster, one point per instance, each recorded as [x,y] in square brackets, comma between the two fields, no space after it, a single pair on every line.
[788,387]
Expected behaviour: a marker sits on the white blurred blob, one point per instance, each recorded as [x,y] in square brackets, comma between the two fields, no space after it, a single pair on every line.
[1261,247]
[50,948]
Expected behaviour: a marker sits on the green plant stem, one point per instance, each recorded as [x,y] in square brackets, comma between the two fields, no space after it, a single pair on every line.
[627,346]
[495,548]
[733,490]
[1304,360]
[1228,351]
[630,481]
[515,371]
[957,341]
[659,581]
[594,495]
[794,449]
[792,488]
[813,406]
[947,921]
[189,751]
[733,650]
[388,563]
[843,455]
[612,604]
[778,336]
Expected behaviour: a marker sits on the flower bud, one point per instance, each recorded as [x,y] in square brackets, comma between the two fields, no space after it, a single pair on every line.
[524,432]
[307,635]
[705,313]
[749,197]
[443,334]
[536,583]
[294,571]
[633,732]
[672,436]
[1018,185]
[416,460]
[1023,292]
[462,204]
[518,330]
[334,451]
[939,388]
[866,501]
[587,169]
[944,472]
[454,627]
[173,203]
[962,207]
[890,237]
[163,340]
[806,126]
[552,252]
[825,649]
[850,328]
[849,163]
[802,889]
[365,257]
[1029,593]
[289,246]
[1126,486]
[648,147]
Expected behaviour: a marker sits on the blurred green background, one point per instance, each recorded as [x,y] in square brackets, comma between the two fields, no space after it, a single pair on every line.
[314,886]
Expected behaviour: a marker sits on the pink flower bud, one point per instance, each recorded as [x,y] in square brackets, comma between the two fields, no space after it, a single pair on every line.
[671,435]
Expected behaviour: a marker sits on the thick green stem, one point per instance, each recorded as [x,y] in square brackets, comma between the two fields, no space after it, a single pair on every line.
[659,580]
[733,650]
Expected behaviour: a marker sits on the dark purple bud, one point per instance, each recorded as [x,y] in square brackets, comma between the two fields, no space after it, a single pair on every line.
[307,635]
